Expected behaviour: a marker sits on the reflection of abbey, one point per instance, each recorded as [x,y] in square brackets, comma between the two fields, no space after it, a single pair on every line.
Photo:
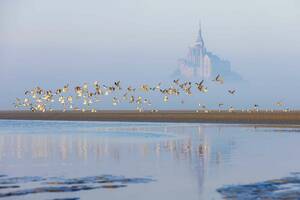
[200,63]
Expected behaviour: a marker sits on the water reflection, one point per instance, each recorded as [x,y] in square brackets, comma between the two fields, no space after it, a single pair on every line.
[186,146]
[187,160]
[80,148]
[190,143]
[193,143]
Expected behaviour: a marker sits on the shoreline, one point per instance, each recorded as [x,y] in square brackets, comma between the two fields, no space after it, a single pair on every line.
[179,116]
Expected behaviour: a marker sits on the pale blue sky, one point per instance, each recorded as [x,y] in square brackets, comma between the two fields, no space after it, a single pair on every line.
[50,43]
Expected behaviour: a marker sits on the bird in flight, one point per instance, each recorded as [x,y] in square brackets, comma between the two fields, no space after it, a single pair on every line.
[201,87]
[231,91]
[219,79]
[84,97]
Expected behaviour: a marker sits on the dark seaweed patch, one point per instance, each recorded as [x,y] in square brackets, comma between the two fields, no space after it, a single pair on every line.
[47,189]
[18,180]
[284,188]
[97,179]
[60,184]
[113,186]
[72,198]
[9,186]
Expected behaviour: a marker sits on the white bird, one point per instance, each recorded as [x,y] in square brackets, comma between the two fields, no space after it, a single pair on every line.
[279,103]
[201,87]
[166,98]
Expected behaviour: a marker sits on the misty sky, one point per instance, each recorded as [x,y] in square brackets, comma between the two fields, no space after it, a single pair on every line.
[53,42]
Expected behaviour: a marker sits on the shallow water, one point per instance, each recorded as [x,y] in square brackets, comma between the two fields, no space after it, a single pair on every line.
[117,160]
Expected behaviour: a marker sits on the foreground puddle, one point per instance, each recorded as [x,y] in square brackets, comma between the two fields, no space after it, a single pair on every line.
[284,188]
[59,184]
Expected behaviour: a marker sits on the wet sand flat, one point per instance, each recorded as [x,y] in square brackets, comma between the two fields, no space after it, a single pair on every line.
[236,117]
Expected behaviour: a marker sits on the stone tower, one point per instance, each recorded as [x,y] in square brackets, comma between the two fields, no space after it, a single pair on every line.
[197,64]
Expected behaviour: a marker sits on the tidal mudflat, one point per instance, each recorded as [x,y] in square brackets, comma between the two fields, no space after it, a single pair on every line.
[120,160]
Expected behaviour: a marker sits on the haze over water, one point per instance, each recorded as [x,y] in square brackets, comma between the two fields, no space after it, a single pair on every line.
[172,161]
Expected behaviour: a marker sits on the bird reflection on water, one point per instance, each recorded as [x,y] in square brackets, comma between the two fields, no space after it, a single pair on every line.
[111,148]
[39,146]
[194,159]
[83,147]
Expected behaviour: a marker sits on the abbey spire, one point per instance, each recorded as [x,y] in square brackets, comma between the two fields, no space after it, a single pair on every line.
[200,40]
[200,63]
[197,62]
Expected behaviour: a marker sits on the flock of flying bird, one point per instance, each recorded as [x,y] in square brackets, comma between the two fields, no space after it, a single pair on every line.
[40,100]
